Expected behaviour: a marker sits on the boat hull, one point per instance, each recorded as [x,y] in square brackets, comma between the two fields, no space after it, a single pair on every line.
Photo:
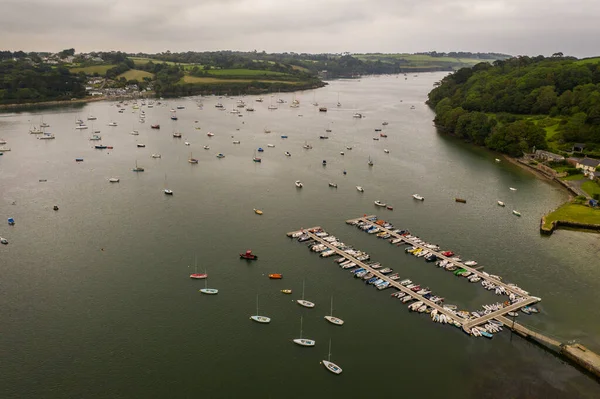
[334,320]
[334,368]
[261,319]
[304,342]
[209,291]
[198,275]
[306,304]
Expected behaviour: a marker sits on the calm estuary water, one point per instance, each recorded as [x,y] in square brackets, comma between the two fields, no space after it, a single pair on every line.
[96,298]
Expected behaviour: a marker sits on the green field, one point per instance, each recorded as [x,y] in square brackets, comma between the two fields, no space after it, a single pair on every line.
[244,72]
[594,60]
[209,80]
[421,60]
[573,213]
[136,74]
[144,61]
[90,70]
[591,187]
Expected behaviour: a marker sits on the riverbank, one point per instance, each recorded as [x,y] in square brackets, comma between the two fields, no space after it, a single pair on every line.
[570,214]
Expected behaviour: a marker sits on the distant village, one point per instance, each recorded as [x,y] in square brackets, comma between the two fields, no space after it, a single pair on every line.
[96,86]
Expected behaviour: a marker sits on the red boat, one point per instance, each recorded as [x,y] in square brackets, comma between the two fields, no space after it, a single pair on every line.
[448,253]
[249,255]
[276,276]
[382,135]
[155,126]
[198,275]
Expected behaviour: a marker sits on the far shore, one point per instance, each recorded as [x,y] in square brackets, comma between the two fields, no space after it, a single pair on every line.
[51,103]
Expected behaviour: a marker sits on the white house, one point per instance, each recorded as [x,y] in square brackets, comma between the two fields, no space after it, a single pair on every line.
[588,165]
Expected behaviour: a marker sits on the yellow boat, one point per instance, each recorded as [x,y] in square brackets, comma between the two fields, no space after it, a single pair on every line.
[258,211]
[286,291]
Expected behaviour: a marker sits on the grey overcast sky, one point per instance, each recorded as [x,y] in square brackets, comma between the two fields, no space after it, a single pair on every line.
[515,27]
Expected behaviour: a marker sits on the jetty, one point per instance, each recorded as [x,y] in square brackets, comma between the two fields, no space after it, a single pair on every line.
[574,353]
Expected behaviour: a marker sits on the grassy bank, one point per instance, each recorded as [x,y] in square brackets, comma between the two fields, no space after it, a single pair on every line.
[211,80]
[591,187]
[136,74]
[575,213]
[90,70]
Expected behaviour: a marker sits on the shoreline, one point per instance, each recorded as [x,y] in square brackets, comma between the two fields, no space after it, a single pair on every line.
[52,103]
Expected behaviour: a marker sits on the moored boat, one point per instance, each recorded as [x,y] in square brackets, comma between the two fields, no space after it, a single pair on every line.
[379,203]
[276,276]
[248,255]
[418,197]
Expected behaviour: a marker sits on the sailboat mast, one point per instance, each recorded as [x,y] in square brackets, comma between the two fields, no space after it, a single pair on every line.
[329,355]
[303,281]
[331,313]
[300,327]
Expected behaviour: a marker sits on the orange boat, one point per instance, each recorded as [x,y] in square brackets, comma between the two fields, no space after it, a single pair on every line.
[276,276]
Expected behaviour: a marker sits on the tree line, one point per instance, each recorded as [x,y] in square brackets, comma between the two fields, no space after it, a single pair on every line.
[23,82]
[492,104]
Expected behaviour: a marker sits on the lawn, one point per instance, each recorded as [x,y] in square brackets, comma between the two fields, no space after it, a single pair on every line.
[574,177]
[90,70]
[591,187]
[573,213]
[208,80]
[136,74]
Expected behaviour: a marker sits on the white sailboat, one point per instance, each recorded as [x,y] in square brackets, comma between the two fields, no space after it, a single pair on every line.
[331,318]
[257,318]
[334,368]
[303,341]
[303,302]
[166,190]
[206,290]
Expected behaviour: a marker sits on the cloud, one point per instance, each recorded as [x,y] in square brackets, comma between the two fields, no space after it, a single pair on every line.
[512,26]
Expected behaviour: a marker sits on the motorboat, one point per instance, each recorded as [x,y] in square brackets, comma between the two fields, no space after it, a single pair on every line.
[134,133]
[187,143]
[258,211]
[323,109]
[210,134]
[512,189]
[141,145]
[3,241]
[379,203]
[100,147]
[287,154]
[46,136]
[276,276]
[114,180]
[156,155]
[386,150]
[360,189]
[155,126]
[81,127]
[168,192]
[220,155]
[342,153]
[286,291]
[516,213]
[497,160]
[271,145]
[334,185]
[357,115]
[298,184]
[385,123]
[418,197]
[206,147]
[248,255]
[112,124]
[236,142]
[177,135]
[501,203]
